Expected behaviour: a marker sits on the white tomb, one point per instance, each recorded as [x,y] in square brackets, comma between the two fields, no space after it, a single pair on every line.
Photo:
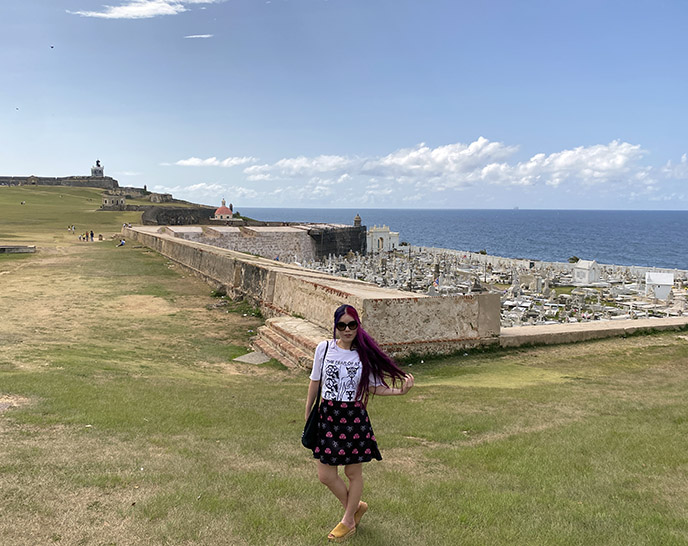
[658,285]
[381,239]
[586,272]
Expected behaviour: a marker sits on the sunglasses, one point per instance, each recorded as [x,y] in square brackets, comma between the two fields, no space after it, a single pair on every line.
[341,326]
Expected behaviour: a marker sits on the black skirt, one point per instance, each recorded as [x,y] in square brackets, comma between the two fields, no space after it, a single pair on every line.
[345,435]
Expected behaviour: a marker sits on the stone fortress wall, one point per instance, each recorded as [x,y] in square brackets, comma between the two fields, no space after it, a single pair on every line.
[286,243]
[104,182]
[283,243]
[299,302]
[401,322]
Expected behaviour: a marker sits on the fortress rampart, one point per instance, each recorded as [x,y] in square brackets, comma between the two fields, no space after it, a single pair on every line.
[403,323]
[104,182]
[295,242]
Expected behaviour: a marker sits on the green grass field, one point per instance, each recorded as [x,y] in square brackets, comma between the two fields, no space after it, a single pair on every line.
[124,420]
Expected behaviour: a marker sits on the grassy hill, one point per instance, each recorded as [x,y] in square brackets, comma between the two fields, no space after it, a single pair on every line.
[50,209]
[124,419]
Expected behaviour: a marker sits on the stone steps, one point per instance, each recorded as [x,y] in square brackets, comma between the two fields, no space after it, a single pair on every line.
[290,340]
[281,348]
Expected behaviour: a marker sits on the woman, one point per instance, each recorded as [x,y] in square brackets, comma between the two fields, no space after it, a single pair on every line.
[351,366]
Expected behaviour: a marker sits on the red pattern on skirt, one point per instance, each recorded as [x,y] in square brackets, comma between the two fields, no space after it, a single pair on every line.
[345,434]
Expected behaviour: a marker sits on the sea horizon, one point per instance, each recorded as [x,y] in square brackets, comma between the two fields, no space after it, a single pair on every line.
[458,209]
[648,238]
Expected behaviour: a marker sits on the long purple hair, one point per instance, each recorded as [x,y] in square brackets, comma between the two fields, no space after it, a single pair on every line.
[373,358]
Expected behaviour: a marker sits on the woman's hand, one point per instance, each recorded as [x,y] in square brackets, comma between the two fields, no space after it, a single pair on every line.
[408,383]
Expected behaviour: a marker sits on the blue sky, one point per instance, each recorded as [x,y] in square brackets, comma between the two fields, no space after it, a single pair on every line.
[354,103]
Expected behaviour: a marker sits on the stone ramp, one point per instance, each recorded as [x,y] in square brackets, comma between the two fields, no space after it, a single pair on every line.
[290,340]
[549,334]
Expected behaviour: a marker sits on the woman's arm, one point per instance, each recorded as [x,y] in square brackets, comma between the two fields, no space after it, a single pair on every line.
[381,390]
[313,387]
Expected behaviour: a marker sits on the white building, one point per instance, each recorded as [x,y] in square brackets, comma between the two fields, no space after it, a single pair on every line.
[586,272]
[658,285]
[381,239]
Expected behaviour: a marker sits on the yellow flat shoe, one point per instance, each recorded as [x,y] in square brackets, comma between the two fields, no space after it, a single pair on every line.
[362,509]
[340,533]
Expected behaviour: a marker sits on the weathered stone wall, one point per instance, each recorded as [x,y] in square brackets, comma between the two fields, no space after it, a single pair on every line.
[315,297]
[402,322]
[176,216]
[282,243]
[160,197]
[433,324]
[104,182]
[339,241]
[286,244]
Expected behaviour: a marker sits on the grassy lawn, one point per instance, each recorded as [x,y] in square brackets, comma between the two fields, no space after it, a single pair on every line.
[124,420]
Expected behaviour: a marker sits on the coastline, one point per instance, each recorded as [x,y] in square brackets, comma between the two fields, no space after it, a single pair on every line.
[501,261]
[649,239]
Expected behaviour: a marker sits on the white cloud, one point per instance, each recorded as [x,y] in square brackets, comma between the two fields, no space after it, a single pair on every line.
[260,177]
[462,165]
[199,36]
[678,171]
[483,171]
[214,162]
[208,192]
[303,166]
[438,162]
[204,186]
[142,9]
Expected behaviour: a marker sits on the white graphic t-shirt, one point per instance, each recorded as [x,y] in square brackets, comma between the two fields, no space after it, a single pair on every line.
[341,372]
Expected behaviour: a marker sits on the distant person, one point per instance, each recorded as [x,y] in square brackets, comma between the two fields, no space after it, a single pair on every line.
[91,235]
[353,366]
[121,242]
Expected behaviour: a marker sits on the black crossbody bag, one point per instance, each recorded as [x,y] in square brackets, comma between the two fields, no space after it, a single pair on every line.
[309,437]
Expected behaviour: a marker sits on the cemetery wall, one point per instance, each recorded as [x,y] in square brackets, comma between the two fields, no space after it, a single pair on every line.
[401,322]
[500,262]
[283,244]
[300,243]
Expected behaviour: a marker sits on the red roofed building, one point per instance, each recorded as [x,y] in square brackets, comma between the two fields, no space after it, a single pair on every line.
[224,213]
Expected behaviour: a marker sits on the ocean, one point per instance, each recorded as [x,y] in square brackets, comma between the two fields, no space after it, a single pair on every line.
[643,238]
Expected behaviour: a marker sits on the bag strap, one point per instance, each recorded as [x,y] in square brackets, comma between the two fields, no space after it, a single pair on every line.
[322,369]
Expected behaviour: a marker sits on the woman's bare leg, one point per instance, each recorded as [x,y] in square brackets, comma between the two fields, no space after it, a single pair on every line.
[354,472]
[328,475]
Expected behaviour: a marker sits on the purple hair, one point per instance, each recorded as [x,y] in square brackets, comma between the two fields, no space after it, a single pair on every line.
[373,359]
